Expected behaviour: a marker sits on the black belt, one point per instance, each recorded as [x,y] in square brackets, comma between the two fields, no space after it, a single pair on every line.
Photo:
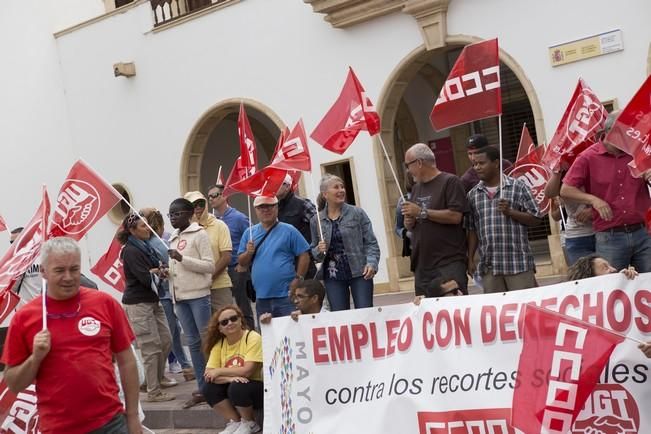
[626,228]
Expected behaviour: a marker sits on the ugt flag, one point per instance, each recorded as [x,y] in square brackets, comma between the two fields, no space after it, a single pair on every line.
[351,113]
[632,130]
[18,413]
[27,247]
[574,353]
[8,301]
[530,170]
[584,117]
[472,91]
[526,143]
[109,267]
[3,224]
[84,198]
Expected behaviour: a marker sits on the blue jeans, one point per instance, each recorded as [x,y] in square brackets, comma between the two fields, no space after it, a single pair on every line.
[339,291]
[622,249]
[175,331]
[578,247]
[194,316]
[278,306]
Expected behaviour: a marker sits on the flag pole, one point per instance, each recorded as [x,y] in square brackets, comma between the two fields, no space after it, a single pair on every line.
[44,235]
[318,217]
[499,130]
[563,219]
[393,171]
[219,174]
[43,295]
[248,202]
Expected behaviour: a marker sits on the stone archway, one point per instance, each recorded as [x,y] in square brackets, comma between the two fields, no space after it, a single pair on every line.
[431,68]
[213,142]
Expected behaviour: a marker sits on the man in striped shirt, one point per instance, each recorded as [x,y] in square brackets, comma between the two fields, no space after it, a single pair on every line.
[498,222]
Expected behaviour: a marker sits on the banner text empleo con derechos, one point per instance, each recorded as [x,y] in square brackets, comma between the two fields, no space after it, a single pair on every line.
[448,361]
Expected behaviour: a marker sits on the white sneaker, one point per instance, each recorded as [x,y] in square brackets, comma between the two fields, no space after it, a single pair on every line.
[175,368]
[247,427]
[231,427]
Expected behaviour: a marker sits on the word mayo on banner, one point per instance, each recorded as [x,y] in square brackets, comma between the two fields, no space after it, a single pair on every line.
[449,365]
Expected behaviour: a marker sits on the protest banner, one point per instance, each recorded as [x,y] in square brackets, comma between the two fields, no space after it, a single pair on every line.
[449,365]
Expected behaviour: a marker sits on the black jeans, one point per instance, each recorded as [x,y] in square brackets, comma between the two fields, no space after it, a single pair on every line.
[455,270]
[117,425]
[249,394]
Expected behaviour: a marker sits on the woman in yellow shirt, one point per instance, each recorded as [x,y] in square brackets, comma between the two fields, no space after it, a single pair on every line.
[233,374]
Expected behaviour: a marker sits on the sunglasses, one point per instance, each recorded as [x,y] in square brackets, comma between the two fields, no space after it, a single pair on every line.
[409,163]
[65,314]
[214,195]
[225,321]
[177,214]
[199,204]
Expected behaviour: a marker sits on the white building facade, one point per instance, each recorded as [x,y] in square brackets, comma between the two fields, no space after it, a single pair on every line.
[167,129]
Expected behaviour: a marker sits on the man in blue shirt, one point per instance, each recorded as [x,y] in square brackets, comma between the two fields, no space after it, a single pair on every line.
[237,223]
[278,255]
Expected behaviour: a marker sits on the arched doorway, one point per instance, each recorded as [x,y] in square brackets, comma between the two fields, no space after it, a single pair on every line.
[404,107]
[214,142]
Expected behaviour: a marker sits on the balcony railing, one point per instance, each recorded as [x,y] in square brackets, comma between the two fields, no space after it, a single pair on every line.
[166,11]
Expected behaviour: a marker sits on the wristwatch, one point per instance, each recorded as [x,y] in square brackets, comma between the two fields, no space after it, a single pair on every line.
[423,214]
[299,277]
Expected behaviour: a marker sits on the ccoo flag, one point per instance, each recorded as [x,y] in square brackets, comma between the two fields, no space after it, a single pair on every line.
[351,113]
[574,353]
[472,91]
[248,152]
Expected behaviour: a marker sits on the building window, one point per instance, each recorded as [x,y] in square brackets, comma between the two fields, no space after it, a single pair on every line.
[345,170]
[122,209]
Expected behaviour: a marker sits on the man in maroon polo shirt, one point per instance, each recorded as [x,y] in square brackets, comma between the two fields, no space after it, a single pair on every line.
[618,200]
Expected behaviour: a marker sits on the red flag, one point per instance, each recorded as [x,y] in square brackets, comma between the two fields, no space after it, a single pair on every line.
[220,177]
[584,117]
[631,132]
[27,247]
[248,152]
[293,153]
[266,182]
[3,224]
[109,267]
[238,173]
[83,199]
[531,171]
[574,353]
[526,143]
[18,413]
[472,90]
[8,301]
[295,174]
[351,113]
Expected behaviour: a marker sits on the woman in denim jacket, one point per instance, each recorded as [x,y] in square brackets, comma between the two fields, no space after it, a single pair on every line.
[349,250]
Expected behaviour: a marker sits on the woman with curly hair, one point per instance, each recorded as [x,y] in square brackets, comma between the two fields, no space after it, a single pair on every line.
[233,377]
[594,265]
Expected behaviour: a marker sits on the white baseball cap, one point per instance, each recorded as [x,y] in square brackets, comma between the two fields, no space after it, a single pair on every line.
[264,200]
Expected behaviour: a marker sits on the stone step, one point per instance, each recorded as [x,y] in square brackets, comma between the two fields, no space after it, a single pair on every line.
[172,415]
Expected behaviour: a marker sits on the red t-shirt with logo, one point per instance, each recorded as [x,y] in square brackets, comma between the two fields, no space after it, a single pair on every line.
[76,386]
